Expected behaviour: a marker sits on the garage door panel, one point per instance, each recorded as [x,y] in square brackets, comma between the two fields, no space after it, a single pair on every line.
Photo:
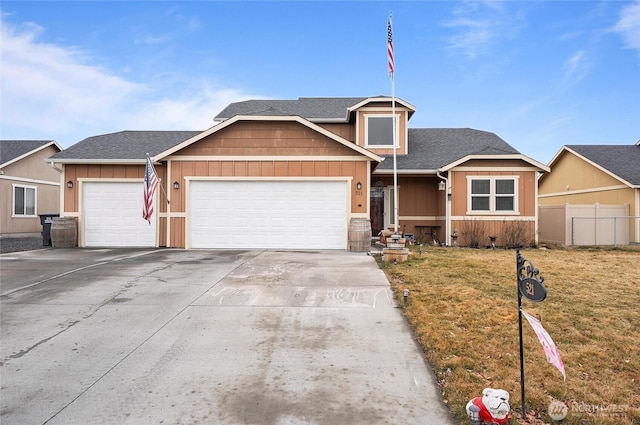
[269,214]
[112,216]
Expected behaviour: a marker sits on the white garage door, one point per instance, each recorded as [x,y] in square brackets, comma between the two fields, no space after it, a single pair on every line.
[268,214]
[112,216]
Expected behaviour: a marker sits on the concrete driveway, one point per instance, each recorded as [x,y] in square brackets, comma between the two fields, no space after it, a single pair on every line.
[121,336]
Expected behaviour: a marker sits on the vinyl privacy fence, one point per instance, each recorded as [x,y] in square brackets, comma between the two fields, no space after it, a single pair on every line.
[584,225]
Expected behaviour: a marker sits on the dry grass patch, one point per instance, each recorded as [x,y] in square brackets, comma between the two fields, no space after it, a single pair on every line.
[463,309]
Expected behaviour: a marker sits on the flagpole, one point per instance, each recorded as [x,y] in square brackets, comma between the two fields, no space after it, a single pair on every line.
[159,180]
[393,118]
[395,148]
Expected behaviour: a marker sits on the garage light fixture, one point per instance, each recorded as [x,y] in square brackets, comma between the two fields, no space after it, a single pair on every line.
[176,185]
[358,186]
[70,184]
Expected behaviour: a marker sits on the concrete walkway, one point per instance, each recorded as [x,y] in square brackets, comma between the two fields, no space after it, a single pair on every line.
[207,337]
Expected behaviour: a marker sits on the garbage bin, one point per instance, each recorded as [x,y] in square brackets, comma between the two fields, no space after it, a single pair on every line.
[45,221]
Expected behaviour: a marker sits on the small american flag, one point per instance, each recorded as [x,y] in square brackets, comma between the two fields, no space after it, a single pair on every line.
[390,47]
[150,185]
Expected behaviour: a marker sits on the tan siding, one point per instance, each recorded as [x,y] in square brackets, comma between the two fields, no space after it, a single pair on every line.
[48,201]
[610,197]
[346,131]
[321,168]
[496,163]
[254,169]
[178,239]
[267,168]
[571,174]
[307,169]
[266,138]
[215,168]
[569,170]
[34,167]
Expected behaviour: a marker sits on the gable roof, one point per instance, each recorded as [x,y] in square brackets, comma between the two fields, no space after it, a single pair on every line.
[291,118]
[439,149]
[14,150]
[122,147]
[620,161]
[314,109]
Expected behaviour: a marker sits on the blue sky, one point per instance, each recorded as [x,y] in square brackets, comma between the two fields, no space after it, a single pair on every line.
[540,74]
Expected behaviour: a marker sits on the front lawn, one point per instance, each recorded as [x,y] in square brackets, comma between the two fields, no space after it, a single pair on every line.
[462,306]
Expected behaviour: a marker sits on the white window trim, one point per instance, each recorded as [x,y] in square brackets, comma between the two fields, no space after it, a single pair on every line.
[13,201]
[492,195]
[366,130]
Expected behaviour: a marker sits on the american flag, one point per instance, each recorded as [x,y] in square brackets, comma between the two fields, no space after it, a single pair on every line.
[390,47]
[150,185]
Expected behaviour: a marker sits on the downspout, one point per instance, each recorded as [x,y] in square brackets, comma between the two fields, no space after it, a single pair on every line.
[53,165]
[61,192]
[447,219]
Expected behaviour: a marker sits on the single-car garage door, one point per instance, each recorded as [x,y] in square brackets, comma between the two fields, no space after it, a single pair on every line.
[112,215]
[268,214]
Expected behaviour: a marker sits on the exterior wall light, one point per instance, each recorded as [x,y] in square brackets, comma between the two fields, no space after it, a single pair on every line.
[70,184]
[358,186]
[176,185]
[442,185]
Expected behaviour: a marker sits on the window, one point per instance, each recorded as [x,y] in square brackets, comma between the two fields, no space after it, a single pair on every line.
[493,194]
[379,130]
[24,201]
[505,195]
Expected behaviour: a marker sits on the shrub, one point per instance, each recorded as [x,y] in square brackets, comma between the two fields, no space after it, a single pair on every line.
[474,232]
[514,233]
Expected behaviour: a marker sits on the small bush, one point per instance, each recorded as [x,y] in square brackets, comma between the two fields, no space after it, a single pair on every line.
[514,233]
[474,232]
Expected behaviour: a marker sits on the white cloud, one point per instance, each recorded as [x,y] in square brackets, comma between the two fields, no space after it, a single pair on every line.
[194,111]
[576,67]
[55,92]
[628,26]
[51,86]
[479,24]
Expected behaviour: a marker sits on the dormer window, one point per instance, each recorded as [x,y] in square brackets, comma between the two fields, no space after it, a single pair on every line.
[379,130]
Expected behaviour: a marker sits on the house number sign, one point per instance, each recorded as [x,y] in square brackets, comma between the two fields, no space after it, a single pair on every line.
[532,289]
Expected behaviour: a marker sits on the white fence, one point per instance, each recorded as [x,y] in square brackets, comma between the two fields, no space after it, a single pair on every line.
[594,224]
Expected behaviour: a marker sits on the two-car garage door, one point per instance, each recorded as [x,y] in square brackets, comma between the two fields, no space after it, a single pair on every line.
[307,214]
[265,214]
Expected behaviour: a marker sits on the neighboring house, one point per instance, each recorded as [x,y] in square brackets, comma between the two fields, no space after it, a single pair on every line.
[591,196]
[291,174]
[29,186]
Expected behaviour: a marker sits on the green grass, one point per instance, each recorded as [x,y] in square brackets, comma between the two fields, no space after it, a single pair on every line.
[463,309]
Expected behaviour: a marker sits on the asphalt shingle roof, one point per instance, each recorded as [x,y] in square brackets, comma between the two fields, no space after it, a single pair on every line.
[327,108]
[434,148]
[125,145]
[429,148]
[621,160]
[12,149]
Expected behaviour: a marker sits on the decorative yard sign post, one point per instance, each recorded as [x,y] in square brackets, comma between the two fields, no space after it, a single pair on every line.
[530,286]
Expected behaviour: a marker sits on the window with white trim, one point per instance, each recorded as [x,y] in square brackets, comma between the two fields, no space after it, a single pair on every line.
[493,194]
[24,201]
[379,130]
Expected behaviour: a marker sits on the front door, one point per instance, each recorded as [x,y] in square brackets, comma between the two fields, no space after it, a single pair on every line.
[377,209]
